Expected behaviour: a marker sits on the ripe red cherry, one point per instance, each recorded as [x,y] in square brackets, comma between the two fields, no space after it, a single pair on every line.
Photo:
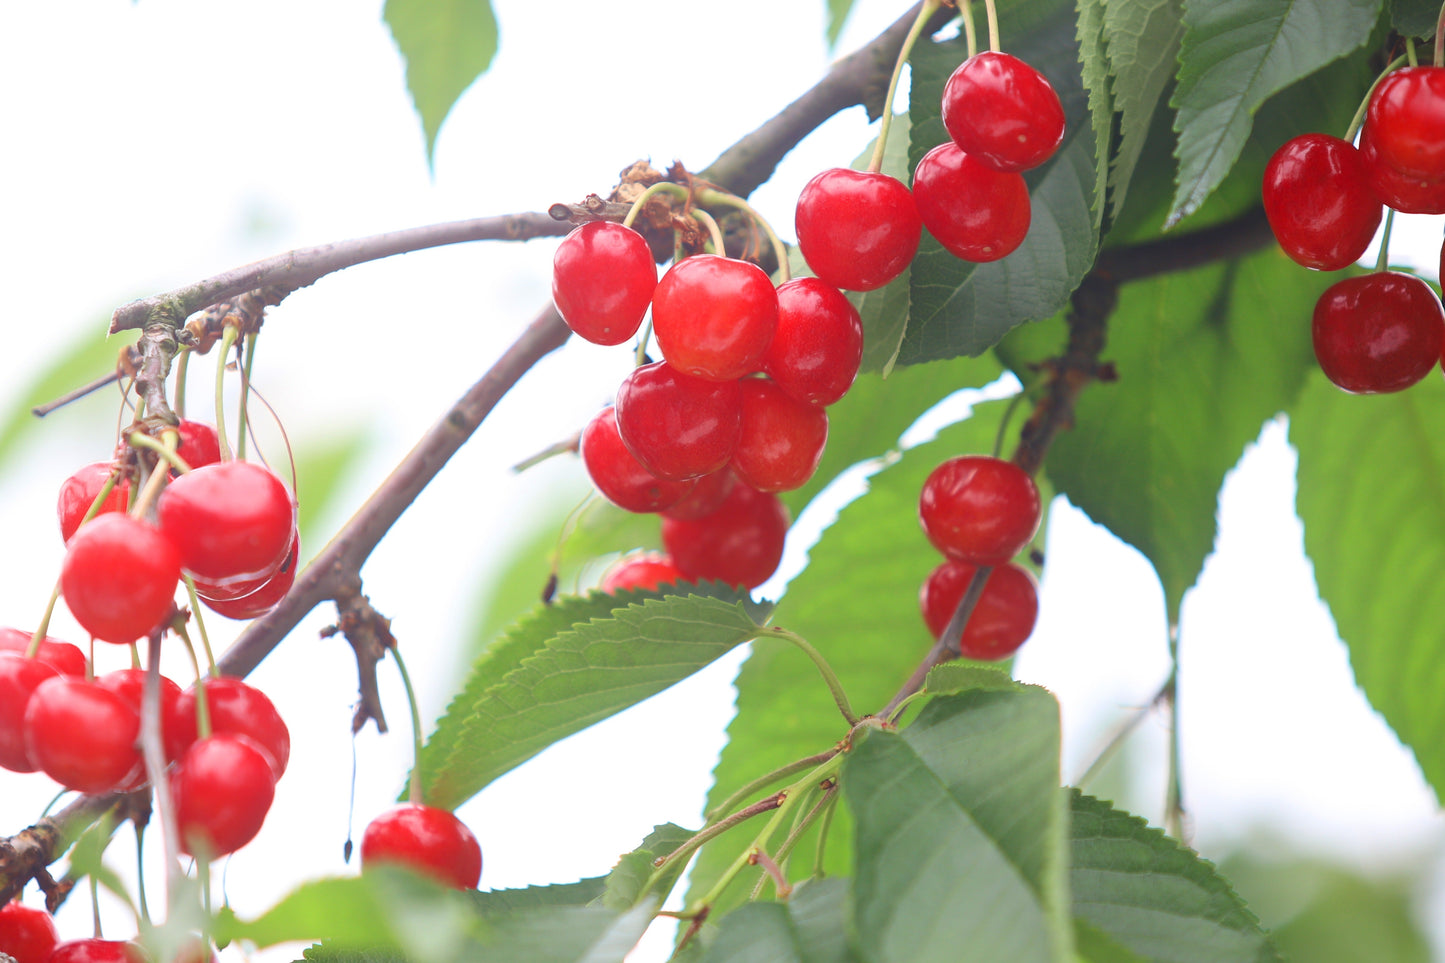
[1407,121]
[236,709]
[257,603]
[82,735]
[199,444]
[782,438]
[26,934]
[129,684]
[1003,112]
[676,425]
[241,587]
[819,342]
[97,951]
[64,656]
[1404,192]
[979,509]
[222,787]
[1002,620]
[977,214]
[603,276]
[646,571]
[119,578]
[1319,202]
[19,678]
[740,544]
[78,492]
[617,473]
[714,316]
[230,520]
[431,841]
[857,230]
[705,498]
[1378,333]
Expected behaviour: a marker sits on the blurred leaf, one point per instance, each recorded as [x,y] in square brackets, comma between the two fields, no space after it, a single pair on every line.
[571,664]
[838,11]
[1154,897]
[446,44]
[323,466]
[625,882]
[325,953]
[961,833]
[1230,63]
[954,677]
[1372,498]
[1143,42]
[496,903]
[1414,18]
[1094,946]
[565,935]
[811,927]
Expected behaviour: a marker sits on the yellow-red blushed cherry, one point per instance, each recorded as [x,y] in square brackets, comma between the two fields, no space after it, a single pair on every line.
[1003,619]
[857,230]
[818,346]
[426,839]
[618,475]
[976,213]
[676,425]
[1319,203]
[119,577]
[782,438]
[603,277]
[1003,112]
[1379,332]
[979,509]
[714,316]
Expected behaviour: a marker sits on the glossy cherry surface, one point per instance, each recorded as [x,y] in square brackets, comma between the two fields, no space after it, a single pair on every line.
[431,841]
[740,544]
[603,277]
[617,473]
[646,571]
[857,230]
[1003,112]
[236,708]
[64,656]
[230,520]
[1319,202]
[705,498]
[222,788]
[782,438]
[97,951]
[979,509]
[714,316]
[199,444]
[1379,332]
[1403,192]
[1406,118]
[678,426]
[79,491]
[976,213]
[1002,620]
[19,678]
[82,735]
[818,346]
[129,684]
[119,577]
[27,934]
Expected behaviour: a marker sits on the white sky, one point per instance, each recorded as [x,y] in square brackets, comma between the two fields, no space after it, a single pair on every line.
[151,144]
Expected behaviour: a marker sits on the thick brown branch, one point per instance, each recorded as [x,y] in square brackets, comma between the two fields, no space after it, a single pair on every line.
[25,855]
[1181,252]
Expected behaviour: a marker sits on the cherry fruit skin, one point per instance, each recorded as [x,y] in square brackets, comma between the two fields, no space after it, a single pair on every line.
[97,951]
[82,735]
[857,230]
[714,316]
[603,278]
[979,509]
[199,445]
[230,520]
[976,213]
[431,841]
[26,934]
[1003,112]
[678,426]
[818,346]
[617,473]
[1406,117]
[222,787]
[650,570]
[1002,620]
[236,709]
[78,492]
[64,656]
[705,498]
[782,438]
[1403,192]
[1319,202]
[119,577]
[19,678]
[1379,332]
[740,544]
[129,684]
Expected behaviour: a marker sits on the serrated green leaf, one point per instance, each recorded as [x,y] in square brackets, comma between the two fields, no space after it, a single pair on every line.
[838,11]
[325,953]
[633,870]
[952,678]
[811,927]
[1143,40]
[1094,60]
[1204,358]
[497,903]
[961,830]
[1372,498]
[1232,59]
[446,44]
[1155,897]
[1414,18]
[1095,946]
[565,935]
[546,681]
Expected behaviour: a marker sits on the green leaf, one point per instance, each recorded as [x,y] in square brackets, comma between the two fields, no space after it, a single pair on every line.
[952,678]
[1143,40]
[570,665]
[811,927]
[497,903]
[1372,498]
[1155,897]
[838,11]
[1095,77]
[325,953]
[1204,358]
[446,44]
[1094,946]
[625,882]
[1414,18]
[961,831]
[564,935]
[1232,59]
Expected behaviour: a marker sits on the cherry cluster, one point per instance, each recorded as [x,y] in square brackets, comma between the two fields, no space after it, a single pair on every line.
[28,935]
[1325,198]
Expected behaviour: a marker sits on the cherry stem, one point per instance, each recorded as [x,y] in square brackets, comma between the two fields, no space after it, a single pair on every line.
[1382,263]
[1174,795]
[925,13]
[763,782]
[551,451]
[33,649]
[1357,121]
[773,872]
[970,31]
[724,199]
[947,645]
[1122,734]
[183,364]
[75,394]
[992,12]
[661,187]
[143,910]
[228,338]
[194,597]
[785,850]
[153,752]
[245,392]
[714,232]
[1008,414]
[708,833]
[157,480]
[835,685]
[414,790]
[139,439]
[1410,52]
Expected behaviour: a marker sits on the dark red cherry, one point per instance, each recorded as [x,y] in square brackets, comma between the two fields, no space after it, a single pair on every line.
[706,497]
[1003,112]
[64,656]
[818,346]
[979,509]
[1406,118]
[79,491]
[617,473]
[27,934]
[1002,620]
[222,788]
[676,425]
[119,577]
[646,571]
[236,708]
[1319,202]
[431,841]
[714,316]
[1403,192]
[82,735]
[857,230]
[782,438]
[976,213]
[19,678]
[230,520]
[1379,332]
[603,276]
[740,544]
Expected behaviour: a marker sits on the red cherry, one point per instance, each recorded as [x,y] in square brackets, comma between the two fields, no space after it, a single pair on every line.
[977,214]
[782,438]
[230,520]
[431,841]
[26,934]
[1379,332]
[82,735]
[603,276]
[199,445]
[222,788]
[646,571]
[740,544]
[78,492]
[1002,112]
[857,230]
[96,951]
[1403,192]
[119,578]
[979,509]
[818,346]
[1002,620]
[1319,202]
[617,473]
[19,678]
[64,656]
[257,603]
[676,425]
[236,709]
[705,498]
[229,589]
[129,684]
[714,316]
[1406,117]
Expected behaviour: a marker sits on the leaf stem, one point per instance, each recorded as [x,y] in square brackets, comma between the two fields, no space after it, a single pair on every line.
[718,198]
[763,782]
[1122,734]
[835,685]
[1174,795]
[228,338]
[708,833]
[1382,263]
[195,601]
[414,785]
[925,13]
[139,439]
[245,392]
